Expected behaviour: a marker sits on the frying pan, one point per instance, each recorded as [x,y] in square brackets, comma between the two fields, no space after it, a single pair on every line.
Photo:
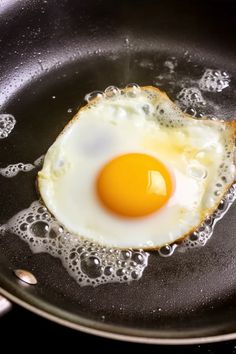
[52,54]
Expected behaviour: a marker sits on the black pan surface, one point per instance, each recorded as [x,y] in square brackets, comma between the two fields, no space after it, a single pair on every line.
[52,54]
[12,322]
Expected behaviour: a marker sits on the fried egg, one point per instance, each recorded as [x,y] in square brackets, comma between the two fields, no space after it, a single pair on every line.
[131,170]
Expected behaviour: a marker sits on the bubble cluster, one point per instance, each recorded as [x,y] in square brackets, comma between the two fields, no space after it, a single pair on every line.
[7,123]
[194,112]
[202,235]
[167,115]
[190,97]
[225,170]
[214,81]
[87,262]
[131,90]
[13,170]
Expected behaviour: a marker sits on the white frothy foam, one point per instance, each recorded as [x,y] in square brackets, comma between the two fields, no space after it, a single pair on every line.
[87,262]
[12,170]
[214,80]
[190,97]
[7,123]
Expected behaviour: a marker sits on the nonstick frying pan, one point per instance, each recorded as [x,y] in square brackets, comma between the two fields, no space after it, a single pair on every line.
[52,54]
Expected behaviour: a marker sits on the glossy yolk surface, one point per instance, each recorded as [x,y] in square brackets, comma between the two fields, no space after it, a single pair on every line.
[134,185]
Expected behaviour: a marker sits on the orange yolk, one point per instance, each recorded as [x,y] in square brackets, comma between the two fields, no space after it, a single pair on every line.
[134,185]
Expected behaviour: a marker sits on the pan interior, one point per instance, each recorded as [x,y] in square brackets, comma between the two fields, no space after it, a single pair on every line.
[184,296]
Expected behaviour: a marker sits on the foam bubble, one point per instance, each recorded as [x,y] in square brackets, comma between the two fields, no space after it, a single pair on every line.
[111,91]
[87,262]
[7,123]
[93,95]
[214,81]
[167,250]
[133,90]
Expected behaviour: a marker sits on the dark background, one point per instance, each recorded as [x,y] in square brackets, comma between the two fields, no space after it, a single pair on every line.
[32,333]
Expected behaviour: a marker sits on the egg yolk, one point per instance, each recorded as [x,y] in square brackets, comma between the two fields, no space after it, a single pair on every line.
[134,185]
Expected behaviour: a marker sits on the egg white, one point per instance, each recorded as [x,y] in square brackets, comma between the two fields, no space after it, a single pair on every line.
[193,150]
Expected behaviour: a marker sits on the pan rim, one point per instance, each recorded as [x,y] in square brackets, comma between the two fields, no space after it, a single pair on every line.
[117,336]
